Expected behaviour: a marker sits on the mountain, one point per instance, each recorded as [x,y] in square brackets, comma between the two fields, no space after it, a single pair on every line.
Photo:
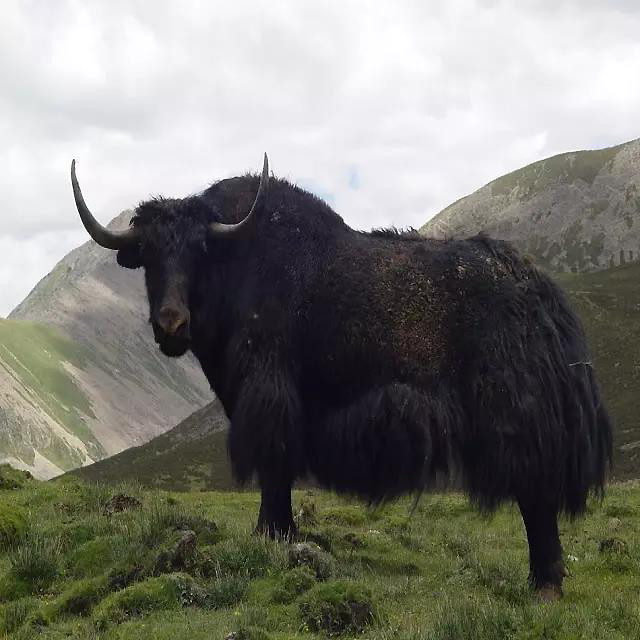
[608,303]
[80,375]
[577,211]
[191,456]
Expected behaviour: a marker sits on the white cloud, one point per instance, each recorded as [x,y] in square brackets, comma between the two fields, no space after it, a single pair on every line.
[423,102]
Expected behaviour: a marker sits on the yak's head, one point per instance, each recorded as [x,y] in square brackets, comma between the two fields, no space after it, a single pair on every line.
[170,240]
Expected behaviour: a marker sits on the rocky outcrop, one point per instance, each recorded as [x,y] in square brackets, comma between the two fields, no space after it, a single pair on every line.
[577,211]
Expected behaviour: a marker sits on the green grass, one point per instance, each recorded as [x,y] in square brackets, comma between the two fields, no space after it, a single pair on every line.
[444,573]
[35,355]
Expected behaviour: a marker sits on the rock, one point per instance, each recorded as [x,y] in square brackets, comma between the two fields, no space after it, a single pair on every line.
[612,545]
[179,555]
[311,555]
[119,503]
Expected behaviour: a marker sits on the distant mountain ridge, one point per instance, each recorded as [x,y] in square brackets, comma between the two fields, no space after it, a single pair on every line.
[577,211]
[80,375]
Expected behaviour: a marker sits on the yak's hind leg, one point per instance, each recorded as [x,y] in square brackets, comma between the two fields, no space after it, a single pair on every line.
[546,566]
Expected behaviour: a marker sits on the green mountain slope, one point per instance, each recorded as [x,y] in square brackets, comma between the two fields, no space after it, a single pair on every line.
[191,456]
[577,211]
[42,409]
[80,375]
[609,304]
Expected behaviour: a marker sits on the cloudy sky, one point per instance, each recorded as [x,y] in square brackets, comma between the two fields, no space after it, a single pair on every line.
[389,110]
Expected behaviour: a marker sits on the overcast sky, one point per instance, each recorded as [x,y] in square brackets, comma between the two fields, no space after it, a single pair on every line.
[389,110]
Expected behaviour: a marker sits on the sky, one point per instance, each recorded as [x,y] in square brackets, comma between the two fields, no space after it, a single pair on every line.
[388,110]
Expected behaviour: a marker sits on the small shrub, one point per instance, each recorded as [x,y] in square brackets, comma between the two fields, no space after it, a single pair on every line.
[306,514]
[323,538]
[345,516]
[13,525]
[162,519]
[294,583]
[93,557]
[252,557]
[79,599]
[13,614]
[11,478]
[226,591]
[36,562]
[337,607]
[474,622]
[164,592]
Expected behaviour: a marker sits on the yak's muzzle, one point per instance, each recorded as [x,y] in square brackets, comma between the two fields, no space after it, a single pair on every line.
[171,330]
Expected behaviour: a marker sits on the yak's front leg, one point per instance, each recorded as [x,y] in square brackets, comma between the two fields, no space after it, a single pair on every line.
[265,439]
[275,518]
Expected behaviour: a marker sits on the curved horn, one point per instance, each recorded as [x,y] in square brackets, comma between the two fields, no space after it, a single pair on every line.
[103,236]
[219,229]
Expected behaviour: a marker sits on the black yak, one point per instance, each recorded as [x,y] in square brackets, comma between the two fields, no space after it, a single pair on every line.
[373,362]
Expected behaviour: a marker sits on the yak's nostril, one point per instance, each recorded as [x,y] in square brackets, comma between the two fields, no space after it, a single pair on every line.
[174,322]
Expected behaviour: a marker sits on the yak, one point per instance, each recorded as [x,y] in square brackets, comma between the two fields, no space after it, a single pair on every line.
[375,363]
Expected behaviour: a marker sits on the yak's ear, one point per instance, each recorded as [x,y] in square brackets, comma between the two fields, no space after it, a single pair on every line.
[129,257]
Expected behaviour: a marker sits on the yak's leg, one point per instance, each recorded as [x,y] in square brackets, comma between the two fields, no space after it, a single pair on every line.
[546,566]
[265,438]
[275,518]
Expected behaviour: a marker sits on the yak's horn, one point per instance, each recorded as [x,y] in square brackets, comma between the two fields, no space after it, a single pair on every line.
[103,236]
[219,229]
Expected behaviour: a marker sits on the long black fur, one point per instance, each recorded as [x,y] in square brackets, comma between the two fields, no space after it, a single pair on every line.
[384,357]
[376,362]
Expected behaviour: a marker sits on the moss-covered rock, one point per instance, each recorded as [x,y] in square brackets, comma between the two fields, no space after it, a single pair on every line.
[78,600]
[337,607]
[293,584]
[312,556]
[164,592]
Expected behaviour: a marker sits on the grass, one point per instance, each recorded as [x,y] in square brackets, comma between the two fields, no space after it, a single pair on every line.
[188,565]
[35,356]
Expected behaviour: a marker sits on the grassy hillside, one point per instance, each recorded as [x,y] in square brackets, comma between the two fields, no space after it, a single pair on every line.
[191,456]
[187,566]
[576,212]
[609,305]
[80,375]
[34,359]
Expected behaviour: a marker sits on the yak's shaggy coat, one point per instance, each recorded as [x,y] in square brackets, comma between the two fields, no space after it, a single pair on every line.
[376,362]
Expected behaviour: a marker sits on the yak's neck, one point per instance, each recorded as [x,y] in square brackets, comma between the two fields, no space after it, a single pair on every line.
[212,328]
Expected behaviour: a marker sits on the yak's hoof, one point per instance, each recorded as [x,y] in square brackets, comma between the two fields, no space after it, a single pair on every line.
[287,534]
[549,593]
